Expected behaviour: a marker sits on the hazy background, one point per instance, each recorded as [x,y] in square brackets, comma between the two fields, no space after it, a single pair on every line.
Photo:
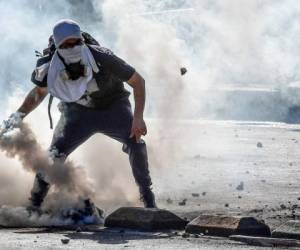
[234,50]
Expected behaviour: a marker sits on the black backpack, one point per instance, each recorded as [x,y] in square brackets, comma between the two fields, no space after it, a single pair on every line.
[50,50]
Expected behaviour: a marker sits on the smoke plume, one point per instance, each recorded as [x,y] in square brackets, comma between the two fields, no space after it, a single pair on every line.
[66,176]
[221,43]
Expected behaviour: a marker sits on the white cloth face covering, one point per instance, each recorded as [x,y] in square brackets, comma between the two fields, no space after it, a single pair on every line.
[70,90]
[71,55]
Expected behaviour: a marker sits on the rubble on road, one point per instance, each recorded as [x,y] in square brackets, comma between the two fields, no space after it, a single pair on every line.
[290,229]
[265,241]
[148,219]
[240,187]
[65,241]
[182,203]
[221,225]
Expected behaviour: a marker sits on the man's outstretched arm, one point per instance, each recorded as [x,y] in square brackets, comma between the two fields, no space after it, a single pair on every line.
[32,100]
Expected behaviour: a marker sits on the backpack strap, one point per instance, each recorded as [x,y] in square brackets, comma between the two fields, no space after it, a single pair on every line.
[49,111]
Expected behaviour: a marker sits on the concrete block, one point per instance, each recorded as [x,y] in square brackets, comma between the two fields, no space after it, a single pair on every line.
[290,229]
[225,226]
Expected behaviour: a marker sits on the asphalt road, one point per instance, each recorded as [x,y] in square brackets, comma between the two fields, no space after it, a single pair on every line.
[223,167]
[103,239]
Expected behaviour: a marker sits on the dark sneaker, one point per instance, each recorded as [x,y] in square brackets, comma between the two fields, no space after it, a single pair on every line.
[88,214]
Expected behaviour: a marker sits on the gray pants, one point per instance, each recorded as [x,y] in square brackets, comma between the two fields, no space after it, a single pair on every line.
[78,123]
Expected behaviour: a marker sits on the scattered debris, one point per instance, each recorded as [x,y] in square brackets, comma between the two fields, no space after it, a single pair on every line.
[195,194]
[259,145]
[65,241]
[282,206]
[183,71]
[185,235]
[264,241]
[290,229]
[182,203]
[169,201]
[257,210]
[240,187]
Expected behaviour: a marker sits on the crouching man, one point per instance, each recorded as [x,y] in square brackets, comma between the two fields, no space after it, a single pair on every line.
[88,80]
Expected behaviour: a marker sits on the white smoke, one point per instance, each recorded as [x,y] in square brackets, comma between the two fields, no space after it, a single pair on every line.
[221,43]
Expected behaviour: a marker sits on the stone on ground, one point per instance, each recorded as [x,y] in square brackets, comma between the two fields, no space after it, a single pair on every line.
[148,219]
[220,225]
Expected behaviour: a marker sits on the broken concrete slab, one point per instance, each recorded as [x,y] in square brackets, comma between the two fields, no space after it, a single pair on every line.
[148,219]
[221,225]
[264,241]
[290,229]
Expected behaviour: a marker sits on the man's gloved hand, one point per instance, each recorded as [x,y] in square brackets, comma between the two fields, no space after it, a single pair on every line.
[14,121]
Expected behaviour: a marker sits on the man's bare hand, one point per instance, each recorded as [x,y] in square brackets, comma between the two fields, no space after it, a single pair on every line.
[138,128]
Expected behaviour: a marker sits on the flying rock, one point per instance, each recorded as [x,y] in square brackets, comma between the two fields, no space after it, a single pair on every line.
[183,71]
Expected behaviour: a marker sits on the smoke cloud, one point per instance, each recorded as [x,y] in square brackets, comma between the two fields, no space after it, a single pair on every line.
[230,43]
[64,175]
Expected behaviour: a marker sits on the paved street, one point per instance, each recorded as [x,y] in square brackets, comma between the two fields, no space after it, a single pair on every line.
[224,167]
